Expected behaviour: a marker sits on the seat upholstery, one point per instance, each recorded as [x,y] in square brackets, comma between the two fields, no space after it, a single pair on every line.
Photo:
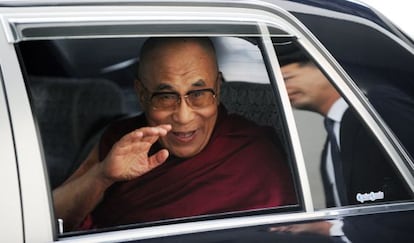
[254,101]
[70,113]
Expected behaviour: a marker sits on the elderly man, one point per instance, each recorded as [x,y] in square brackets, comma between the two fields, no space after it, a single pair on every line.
[184,157]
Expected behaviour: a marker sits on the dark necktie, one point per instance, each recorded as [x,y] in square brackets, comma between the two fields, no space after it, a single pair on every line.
[336,161]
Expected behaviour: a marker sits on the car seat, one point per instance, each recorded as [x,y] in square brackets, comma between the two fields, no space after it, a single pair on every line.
[71,114]
[254,101]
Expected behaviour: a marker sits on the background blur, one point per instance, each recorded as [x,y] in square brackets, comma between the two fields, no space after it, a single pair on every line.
[398,11]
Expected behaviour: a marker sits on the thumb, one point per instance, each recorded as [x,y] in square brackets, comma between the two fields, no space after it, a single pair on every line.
[158,158]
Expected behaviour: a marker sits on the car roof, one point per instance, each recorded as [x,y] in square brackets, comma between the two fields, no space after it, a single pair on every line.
[344,27]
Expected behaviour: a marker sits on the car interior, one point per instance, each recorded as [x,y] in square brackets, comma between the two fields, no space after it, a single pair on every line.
[75,93]
[78,86]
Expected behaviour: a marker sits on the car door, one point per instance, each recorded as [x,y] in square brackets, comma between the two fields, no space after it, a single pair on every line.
[10,206]
[58,48]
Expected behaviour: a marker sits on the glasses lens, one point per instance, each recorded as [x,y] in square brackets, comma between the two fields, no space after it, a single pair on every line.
[201,98]
[164,100]
[195,99]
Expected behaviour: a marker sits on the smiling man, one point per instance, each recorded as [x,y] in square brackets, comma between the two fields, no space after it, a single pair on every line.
[185,156]
[169,69]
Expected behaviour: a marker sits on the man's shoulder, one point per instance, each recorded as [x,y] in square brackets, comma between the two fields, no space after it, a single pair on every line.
[237,126]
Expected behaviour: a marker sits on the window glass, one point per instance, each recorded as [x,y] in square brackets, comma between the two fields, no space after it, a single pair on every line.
[346,164]
[372,58]
[89,95]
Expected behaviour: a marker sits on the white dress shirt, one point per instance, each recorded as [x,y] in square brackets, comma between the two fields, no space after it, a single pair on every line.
[335,113]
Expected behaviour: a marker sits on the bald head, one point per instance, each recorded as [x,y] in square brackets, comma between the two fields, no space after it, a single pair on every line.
[180,66]
[155,48]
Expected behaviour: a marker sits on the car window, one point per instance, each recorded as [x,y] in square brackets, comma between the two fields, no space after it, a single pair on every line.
[77,98]
[363,60]
[347,164]
[79,67]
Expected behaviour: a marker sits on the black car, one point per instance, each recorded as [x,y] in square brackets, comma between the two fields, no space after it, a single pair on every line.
[68,71]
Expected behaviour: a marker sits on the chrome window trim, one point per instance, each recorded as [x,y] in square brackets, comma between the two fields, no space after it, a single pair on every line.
[34,191]
[232,223]
[276,73]
[10,206]
[33,18]
[264,5]
[130,29]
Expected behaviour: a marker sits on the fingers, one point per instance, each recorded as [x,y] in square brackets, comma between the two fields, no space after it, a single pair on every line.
[128,157]
[158,158]
[279,229]
[319,227]
[151,134]
[139,141]
[157,131]
[145,134]
[285,228]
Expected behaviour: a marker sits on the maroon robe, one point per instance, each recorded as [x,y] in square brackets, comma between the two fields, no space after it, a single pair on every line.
[241,168]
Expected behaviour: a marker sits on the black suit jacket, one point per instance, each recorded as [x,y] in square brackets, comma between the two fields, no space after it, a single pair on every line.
[366,168]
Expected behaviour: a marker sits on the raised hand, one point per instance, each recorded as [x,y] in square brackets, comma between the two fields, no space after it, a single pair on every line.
[128,157]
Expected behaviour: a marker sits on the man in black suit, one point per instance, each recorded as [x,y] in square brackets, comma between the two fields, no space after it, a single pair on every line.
[354,168]
[356,171]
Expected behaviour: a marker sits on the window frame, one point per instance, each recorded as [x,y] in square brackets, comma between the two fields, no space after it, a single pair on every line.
[350,91]
[11,210]
[34,17]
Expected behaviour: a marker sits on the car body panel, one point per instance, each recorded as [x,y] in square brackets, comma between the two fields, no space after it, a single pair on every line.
[11,203]
[32,177]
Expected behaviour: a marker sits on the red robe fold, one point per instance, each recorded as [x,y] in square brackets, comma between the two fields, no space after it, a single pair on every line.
[241,168]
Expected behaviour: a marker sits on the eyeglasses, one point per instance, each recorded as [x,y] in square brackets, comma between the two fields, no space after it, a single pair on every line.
[170,100]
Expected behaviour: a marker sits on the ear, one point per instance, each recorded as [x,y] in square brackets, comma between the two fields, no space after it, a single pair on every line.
[141,92]
[218,86]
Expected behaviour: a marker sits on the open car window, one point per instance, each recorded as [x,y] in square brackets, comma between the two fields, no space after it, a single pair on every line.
[75,98]
[347,164]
